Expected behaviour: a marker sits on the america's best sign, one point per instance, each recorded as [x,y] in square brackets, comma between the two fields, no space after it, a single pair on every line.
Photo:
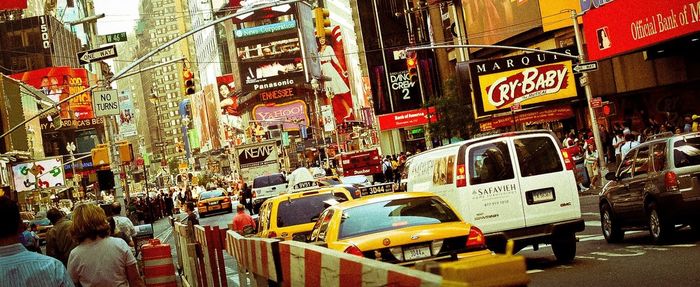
[528,79]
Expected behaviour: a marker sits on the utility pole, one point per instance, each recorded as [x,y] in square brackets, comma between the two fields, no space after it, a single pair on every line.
[589,97]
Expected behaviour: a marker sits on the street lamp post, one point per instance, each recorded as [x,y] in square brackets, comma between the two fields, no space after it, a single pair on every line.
[156,102]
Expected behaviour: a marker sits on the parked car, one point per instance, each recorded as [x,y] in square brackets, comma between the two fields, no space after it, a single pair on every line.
[513,186]
[656,186]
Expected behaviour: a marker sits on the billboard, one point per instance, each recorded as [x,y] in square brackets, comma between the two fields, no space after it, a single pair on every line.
[205,118]
[609,31]
[492,21]
[58,83]
[228,100]
[407,119]
[527,79]
[49,173]
[293,111]
[13,4]
[553,15]
[127,120]
[271,65]
[333,66]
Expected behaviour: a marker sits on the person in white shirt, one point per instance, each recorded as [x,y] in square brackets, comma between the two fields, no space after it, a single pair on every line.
[630,143]
[123,224]
[617,141]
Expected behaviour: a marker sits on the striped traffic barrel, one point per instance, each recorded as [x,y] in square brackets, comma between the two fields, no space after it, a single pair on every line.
[158,268]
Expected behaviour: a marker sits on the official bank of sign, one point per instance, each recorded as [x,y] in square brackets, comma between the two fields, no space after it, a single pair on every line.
[406,119]
[623,26]
[526,79]
[294,111]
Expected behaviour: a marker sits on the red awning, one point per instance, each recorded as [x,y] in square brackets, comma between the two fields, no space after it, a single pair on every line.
[532,117]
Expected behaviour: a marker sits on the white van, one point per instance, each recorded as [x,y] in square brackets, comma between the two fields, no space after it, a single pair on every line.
[512,186]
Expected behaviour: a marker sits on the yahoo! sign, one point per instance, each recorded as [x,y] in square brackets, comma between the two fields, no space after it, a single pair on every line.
[288,113]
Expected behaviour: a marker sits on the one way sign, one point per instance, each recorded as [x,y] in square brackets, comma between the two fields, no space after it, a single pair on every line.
[586,67]
[94,55]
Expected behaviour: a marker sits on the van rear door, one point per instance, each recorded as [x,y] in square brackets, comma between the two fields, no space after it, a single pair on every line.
[493,197]
[548,189]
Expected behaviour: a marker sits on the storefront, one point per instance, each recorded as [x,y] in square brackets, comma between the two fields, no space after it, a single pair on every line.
[409,126]
[648,60]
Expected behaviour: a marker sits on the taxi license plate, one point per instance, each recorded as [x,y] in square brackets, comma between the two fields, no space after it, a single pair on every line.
[418,252]
[215,207]
[541,195]
[214,203]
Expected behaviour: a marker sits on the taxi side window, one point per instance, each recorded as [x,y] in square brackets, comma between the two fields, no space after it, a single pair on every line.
[489,163]
[625,170]
[264,216]
[340,197]
[321,227]
[641,162]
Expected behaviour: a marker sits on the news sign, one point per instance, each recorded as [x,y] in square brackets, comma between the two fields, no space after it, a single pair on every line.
[526,80]
[623,26]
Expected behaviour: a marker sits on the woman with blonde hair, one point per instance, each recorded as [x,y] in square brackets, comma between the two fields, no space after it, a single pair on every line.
[99,259]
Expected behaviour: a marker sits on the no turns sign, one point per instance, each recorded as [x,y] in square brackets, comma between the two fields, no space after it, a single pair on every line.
[105,103]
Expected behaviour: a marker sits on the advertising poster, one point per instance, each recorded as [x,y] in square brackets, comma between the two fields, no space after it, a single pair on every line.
[328,122]
[58,83]
[228,100]
[644,23]
[527,79]
[492,21]
[127,121]
[293,111]
[271,65]
[49,172]
[334,67]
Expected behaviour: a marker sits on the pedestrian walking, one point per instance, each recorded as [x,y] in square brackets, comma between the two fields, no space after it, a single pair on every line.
[247,197]
[59,241]
[387,169]
[99,260]
[123,224]
[23,267]
[591,163]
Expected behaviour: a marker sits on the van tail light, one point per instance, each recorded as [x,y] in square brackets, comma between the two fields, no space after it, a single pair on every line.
[272,234]
[352,249]
[461,175]
[567,160]
[476,239]
[671,181]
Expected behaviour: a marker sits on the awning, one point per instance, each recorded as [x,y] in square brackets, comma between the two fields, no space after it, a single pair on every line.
[531,117]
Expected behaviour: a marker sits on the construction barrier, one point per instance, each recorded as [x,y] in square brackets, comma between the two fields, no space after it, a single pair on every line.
[158,270]
[212,242]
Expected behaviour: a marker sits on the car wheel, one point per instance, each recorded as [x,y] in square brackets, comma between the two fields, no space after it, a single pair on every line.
[659,229]
[564,247]
[611,228]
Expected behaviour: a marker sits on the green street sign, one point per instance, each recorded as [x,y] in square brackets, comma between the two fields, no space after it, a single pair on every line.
[116,37]
[285,139]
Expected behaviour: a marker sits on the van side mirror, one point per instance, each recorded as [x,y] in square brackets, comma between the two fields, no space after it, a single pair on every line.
[610,176]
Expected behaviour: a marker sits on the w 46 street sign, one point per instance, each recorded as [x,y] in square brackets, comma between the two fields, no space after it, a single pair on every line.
[116,37]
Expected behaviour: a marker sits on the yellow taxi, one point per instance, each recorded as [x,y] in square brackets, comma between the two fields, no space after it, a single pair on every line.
[401,228]
[292,215]
[213,201]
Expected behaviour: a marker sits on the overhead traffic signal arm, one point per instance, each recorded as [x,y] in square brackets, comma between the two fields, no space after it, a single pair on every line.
[323,22]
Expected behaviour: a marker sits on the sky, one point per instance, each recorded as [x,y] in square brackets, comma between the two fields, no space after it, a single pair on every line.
[120,15]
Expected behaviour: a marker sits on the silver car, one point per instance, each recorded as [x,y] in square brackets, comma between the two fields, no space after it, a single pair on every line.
[656,186]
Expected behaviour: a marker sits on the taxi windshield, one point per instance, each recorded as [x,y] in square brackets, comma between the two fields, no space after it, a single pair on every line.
[393,214]
[301,210]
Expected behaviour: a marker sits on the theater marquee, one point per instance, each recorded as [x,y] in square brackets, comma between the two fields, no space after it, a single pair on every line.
[530,79]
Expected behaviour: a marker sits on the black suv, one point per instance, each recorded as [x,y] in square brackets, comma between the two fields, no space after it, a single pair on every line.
[656,187]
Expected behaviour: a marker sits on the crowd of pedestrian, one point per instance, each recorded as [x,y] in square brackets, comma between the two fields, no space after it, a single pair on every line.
[90,249]
[393,167]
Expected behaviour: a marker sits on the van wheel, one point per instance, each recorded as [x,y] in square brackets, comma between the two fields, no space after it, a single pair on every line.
[611,228]
[564,247]
[659,229]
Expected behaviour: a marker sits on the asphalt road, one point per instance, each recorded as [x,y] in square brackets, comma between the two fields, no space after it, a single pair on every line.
[635,262]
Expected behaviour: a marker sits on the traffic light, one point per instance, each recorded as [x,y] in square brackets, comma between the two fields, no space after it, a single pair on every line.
[100,155]
[412,65]
[188,80]
[126,153]
[180,147]
[323,23]
[608,109]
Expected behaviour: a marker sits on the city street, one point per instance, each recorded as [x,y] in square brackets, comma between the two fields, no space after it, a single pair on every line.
[635,262]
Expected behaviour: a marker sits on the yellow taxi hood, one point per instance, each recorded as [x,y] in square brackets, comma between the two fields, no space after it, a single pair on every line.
[402,236]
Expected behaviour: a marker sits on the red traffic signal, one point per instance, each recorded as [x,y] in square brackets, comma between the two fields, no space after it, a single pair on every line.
[188,81]
[412,65]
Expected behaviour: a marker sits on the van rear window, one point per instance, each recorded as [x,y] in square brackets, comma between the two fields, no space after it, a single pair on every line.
[537,155]
[265,181]
[686,152]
